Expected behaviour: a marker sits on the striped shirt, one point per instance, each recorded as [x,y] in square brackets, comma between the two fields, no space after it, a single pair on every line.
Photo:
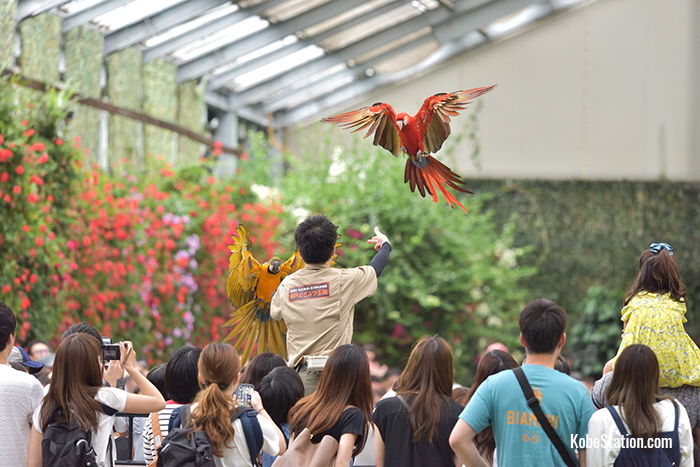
[150,449]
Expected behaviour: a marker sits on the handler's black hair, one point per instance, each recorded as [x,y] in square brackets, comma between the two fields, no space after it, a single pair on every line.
[316,238]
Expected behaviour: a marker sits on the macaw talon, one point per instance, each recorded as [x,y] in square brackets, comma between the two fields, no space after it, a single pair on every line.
[403,149]
[419,161]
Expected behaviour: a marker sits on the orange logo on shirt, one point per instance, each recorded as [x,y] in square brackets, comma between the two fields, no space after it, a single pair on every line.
[305,292]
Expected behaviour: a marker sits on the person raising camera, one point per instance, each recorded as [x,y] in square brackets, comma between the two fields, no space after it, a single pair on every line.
[78,402]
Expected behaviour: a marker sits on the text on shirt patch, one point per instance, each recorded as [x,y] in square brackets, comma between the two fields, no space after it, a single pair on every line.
[305,292]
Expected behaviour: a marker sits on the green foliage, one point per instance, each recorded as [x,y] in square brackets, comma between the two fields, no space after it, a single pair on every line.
[450,273]
[591,233]
[38,172]
[7,31]
[125,88]
[595,333]
[160,100]
[191,113]
[41,46]
[83,50]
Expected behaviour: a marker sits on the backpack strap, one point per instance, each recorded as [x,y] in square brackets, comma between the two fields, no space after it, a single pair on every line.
[677,412]
[403,402]
[534,405]
[251,431]
[179,417]
[618,421]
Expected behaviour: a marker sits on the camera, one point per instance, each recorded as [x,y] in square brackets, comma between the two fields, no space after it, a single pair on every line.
[244,393]
[110,351]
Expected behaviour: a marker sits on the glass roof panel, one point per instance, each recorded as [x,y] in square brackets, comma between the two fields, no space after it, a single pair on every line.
[291,8]
[275,68]
[309,80]
[392,45]
[78,5]
[340,19]
[224,36]
[331,85]
[408,58]
[256,54]
[132,12]
[210,15]
[376,24]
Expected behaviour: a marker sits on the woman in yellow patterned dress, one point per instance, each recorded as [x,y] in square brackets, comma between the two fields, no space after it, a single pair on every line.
[654,314]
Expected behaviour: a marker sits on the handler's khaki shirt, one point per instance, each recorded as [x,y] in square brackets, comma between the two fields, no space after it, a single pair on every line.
[317,303]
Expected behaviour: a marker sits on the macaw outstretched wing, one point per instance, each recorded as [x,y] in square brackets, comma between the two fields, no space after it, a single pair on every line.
[244,270]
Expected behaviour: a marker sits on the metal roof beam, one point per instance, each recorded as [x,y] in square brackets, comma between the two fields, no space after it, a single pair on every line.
[29,8]
[221,102]
[221,80]
[325,85]
[461,43]
[160,22]
[205,30]
[228,53]
[90,13]
[434,17]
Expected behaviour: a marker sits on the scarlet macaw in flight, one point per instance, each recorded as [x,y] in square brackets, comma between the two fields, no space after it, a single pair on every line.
[417,136]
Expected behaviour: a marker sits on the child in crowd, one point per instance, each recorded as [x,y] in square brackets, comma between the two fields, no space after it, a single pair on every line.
[653,315]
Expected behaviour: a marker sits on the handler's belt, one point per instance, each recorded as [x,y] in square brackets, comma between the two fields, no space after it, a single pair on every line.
[312,362]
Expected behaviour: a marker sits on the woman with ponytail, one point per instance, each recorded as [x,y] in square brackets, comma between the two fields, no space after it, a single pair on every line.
[341,406]
[413,428]
[215,406]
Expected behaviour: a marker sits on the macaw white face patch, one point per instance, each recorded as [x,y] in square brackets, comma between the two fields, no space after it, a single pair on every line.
[308,291]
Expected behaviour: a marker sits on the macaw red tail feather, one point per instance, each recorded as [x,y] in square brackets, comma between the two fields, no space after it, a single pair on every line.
[432,175]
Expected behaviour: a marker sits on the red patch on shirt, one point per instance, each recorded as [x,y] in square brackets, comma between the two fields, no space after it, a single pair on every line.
[305,292]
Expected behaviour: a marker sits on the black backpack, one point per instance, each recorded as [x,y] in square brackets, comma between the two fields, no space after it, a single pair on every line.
[69,446]
[185,447]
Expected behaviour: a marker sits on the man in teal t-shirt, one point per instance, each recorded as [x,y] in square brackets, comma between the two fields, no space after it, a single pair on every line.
[499,402]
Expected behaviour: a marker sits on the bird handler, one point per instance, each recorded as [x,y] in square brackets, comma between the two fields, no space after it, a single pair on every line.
[317,303]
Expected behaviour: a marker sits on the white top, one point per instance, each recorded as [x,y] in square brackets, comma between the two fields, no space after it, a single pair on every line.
[150,445]
[20,394]
[238,455]
[602,426]
[112,397]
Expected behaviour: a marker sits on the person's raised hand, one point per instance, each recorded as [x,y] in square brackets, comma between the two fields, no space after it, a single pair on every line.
[379,239]
[256,401]
[128,356]
[113,372]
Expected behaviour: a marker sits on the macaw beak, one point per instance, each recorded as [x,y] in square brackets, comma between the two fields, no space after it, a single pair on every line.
[401,124]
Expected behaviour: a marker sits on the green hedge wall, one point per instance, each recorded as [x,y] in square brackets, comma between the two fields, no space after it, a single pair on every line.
[41,47]
[7,31]
[190,114]
[83,50]
[160,100]
[590,234]
[125,88]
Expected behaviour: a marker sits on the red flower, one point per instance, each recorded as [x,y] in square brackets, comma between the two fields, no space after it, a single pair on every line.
[25,303]
[5,154]
[17,189]
[59,141]
[19,170]
[7,198]
[6,289]
[29,133]
[43,159]
[25,123]
[37,180]
[166,172]
[32,198]
[4,177]
[25,227]
[38,146]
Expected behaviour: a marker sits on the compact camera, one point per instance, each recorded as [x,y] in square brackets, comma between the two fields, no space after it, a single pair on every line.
[110,351]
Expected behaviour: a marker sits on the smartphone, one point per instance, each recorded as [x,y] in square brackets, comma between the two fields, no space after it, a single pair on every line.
[111,352]
[244,393]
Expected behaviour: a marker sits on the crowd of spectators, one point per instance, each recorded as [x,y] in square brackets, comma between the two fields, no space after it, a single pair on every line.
[339,397]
